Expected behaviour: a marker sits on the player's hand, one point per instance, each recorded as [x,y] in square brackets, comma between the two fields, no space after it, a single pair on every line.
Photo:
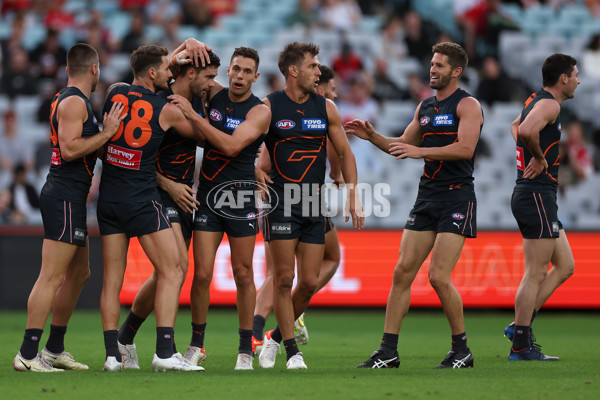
[184,105]
[198,52]
[183,195]
[113,119]
[403,150]
[360,129]
[535,168]
[262,178]
[338,179]
[354,209]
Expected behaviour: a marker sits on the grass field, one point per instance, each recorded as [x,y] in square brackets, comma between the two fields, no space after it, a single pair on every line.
[339,339]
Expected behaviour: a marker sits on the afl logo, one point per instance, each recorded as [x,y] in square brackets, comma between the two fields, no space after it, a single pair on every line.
[285,124]
[424,120]
[458,216]
[215,115]
[251,215]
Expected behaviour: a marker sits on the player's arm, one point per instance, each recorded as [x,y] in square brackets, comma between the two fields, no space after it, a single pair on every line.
[339,140]
[191,50]
[364,130]
[71,115]
[256,123]
[182,194]
[469,127]
[544,112]
[172,117]
[514,127]
[335,170]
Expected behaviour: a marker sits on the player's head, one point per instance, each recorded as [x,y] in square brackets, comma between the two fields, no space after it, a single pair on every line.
[561,69]
[242,71]
[200,78]
[448,62]
[298,61]
[114,86]
[150,62]
[81,59]
[327,83]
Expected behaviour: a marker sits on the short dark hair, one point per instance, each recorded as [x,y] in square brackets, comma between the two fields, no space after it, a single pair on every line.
[457,56]
[215,62]
[247,52]
[556,65]
[293,54]
[80,57]
[327,74]
[146,57]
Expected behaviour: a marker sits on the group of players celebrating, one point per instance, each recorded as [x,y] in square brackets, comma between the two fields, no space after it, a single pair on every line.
[151,129]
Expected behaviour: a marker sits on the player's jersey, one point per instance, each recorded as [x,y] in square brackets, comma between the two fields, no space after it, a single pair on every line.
[177,155]
[297,140]
[549,143]
[444,180]
[129,162]
[217,168]
[70,180]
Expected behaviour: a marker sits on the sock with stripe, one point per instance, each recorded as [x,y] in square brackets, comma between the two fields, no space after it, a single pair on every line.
[129,328]
[198,335]
[291,348]
[389,343]
[459,342]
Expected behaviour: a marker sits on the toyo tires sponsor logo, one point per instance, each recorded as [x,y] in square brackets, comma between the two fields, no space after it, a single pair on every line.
[230,198]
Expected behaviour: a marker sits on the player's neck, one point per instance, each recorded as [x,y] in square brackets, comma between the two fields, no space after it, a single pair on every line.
[144,83]
[555,92]
[443,94]
[295,93]
[182,89]
[82,84]
[238,99]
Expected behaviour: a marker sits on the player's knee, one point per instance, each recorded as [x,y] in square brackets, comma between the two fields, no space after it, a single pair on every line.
[438,280]
[243,276]
[308,286]
[84,275]
[202,278]
[285,282]
[568,270]
[401,275]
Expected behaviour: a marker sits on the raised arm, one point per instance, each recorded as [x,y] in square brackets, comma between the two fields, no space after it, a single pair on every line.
[364,130]
[469,127]
[256,123]
[71,115]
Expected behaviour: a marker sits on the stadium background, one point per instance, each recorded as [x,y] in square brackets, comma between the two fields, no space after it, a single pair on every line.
[382,78]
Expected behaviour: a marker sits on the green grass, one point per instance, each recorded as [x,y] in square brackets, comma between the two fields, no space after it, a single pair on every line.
[339,339]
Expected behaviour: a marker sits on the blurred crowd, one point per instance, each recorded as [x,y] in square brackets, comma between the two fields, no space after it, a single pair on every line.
[363,85]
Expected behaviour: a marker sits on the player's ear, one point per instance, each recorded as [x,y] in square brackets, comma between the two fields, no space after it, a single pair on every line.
[256,75]
[293,70]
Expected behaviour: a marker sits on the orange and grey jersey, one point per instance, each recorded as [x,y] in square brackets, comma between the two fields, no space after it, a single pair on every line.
[129,161]
[444,180]
[549,143]
[297,140]
[226,116]
[70,180]
[177,155]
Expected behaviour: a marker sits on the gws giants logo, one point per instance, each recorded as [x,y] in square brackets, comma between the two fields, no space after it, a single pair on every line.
[424,120]
[230,199]
[285,124]
[215,115]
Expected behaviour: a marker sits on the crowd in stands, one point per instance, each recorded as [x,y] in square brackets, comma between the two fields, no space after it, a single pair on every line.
[389,69]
